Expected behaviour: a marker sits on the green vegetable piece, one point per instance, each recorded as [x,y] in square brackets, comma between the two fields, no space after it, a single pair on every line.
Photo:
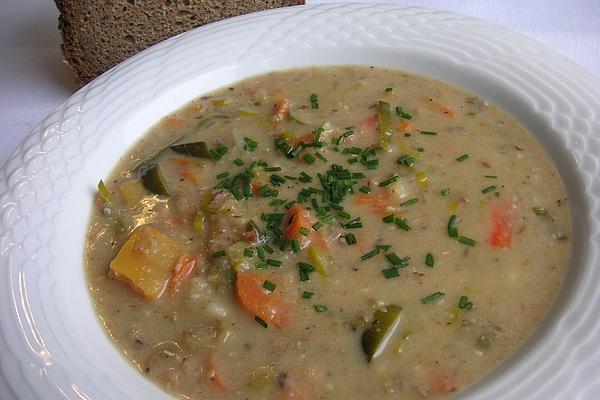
[384,116]
[321,260]
[154,181]
[194,149]
[385,322]
[104,192]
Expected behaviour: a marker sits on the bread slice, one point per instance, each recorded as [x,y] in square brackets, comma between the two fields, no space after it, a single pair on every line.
[99,34]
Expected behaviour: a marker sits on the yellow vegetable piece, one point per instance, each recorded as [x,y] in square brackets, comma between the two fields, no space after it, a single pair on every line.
[321,259]
[133,192]
[147,261]
[423,179]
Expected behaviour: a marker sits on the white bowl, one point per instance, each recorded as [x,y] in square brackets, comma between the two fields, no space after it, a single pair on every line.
[51,343]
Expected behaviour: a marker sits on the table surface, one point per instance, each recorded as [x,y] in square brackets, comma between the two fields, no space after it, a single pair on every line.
[34,79]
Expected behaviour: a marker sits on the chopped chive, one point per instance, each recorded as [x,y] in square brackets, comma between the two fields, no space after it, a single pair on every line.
[402,224]
[219,253]
[467,241]
[400,112]
[394,259]
[445,191]
[388,219]
[320,156]
[452,231]
[391,272]
[305,178]
[260,251]
[304,231]
[462,158]
[289,204]
[429,260]
[218,152]
[272,169]
[491,176]
[352,160]
[304,269]
[407,160]
[307,295]
[295,246]
[314,101]
[370,254]
[407,135]
[343,214]
[409,202]
[428,133]
[309,158]
[489,189]
[274,263]
[250,144]
[350,238]
[261,265]
[276,202]
[420,149]
[389,181]
[372,164]
[238,162]
[270,286]
[389,89]
[261,322]
[320,308]
[353,224]
[432,297]
[464,303]
[223,175]
[317,225]
[248,252]
[268,248]
[365,189]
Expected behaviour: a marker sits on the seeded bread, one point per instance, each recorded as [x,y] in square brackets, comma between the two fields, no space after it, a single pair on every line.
[99,34]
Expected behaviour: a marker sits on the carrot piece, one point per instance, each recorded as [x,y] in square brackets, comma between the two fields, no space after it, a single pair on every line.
[306,138]
[501,231]
[211,370]
[184,270]
[377,202]
[443,381]
[404,126]
[268,306]
[256,185]
[443,109]
[370,122]
[297,218]
[280,109]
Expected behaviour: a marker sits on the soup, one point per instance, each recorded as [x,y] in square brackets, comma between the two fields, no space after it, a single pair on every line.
[328,233]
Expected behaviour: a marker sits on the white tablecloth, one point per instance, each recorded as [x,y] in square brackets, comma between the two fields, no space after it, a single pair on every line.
[33,79]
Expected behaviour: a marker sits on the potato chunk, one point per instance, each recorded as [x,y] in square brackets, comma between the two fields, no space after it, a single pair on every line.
[147,261]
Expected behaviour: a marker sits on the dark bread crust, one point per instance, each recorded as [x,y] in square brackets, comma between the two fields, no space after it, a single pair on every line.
[99,34]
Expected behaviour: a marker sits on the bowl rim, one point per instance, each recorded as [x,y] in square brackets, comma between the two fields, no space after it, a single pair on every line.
[43,183]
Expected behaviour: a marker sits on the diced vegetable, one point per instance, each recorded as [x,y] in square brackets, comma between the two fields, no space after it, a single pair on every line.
[104,192]
[194,149]
[384,116]
[147,261]
[154,181]
[280,110]
[297,218]
[501,231]
[237,258]
[133,192]
[385,322]
[212,372]
[270,307]
[185,269]
[322,260]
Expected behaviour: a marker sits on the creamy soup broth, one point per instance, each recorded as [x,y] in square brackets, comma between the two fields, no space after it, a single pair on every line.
[431,247]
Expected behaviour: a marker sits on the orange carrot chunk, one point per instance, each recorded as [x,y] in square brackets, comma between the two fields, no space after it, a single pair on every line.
[280,110]
[212,371]
[184,271]
[256,300]
[501,231]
